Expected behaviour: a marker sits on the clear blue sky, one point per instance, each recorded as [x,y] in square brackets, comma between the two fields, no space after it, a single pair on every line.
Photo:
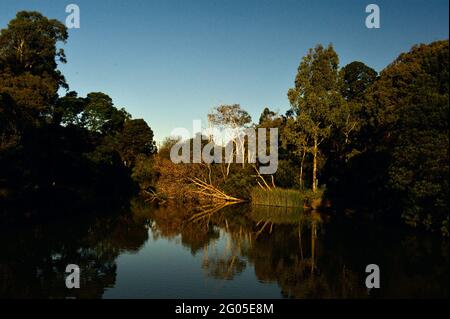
[170,62]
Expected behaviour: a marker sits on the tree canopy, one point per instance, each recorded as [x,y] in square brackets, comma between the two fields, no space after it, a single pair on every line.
[58,148]
[29,58]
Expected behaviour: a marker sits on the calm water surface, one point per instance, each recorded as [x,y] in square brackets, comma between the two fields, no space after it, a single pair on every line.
[234,252]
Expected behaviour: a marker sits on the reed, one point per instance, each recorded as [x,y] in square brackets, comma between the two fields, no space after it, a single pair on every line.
[277,197]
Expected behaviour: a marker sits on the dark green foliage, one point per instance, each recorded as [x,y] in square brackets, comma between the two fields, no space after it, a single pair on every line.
[68,110]
[266,115]
[400,163]
[28,44]
[28,62]
[239,183]
[383,139]
[56,151]
[419,139]
[287,175]
[356,79]
[11,122]
[143,172]
[317,104]
[101,116]
[136,139]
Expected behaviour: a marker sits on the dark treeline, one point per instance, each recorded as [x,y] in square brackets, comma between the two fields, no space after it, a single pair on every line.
[378,142]
[375,144]
[58,153]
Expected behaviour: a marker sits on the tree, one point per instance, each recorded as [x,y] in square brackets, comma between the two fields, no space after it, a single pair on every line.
[234,119]
[409,109]
[316,98]
[10,123]
[136,139]
[100,115]
[272,120]
[349,136]
[296,135]
[266,115]
[29,45]
[28,61]
[58,149]
[356,79]
[68,109]
[229,116]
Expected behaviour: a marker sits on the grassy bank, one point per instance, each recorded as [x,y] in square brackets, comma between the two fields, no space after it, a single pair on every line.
[277,197]
[280,197]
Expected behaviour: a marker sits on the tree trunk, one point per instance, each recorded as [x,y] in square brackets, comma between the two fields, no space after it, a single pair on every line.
[301,169]
[314,177]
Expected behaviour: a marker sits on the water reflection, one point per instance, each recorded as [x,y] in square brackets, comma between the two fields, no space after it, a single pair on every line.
[285,252]
[33,259]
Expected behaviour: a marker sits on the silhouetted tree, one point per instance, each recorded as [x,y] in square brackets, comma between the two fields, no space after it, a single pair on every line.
[136,139]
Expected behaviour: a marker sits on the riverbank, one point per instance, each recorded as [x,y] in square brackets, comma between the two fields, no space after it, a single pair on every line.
[280,197]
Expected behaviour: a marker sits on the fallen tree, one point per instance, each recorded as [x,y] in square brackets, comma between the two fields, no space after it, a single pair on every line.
[210,191]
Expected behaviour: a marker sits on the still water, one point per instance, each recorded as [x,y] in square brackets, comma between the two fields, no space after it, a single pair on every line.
[233,252]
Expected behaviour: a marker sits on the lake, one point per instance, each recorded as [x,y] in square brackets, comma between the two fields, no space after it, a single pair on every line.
[238,251]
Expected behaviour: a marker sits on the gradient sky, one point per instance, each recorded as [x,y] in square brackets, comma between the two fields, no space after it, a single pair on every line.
[170,62]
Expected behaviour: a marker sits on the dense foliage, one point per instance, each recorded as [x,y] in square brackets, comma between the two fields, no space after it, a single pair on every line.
[384,138]
[58,152]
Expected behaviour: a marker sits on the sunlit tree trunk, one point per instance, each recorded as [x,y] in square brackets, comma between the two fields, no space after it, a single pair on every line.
[301,169]
[314,177]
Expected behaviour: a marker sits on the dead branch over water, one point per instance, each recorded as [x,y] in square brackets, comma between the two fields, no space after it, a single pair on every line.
[210,191]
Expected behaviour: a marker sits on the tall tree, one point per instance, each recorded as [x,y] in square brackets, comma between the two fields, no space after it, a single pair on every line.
[352,136]
[409,108]
[234,119]
[28,61]
[296,135]
[316,98]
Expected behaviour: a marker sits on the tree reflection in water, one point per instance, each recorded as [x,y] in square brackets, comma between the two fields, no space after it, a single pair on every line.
[33,259]
[307,256]
[304,253]
[280,243]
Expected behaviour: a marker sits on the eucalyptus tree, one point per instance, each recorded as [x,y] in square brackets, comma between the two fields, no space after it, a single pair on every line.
[231,120]
[316,100]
